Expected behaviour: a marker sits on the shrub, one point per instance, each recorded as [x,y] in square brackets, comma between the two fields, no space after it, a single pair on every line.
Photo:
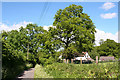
[12,68]
[28,66]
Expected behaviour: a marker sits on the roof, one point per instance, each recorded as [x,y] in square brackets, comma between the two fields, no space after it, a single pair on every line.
[90,59]
[106,58]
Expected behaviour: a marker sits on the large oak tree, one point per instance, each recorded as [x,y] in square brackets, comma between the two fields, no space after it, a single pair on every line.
[73,27]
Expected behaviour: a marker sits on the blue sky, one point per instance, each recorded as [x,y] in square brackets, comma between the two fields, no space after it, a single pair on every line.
[42,13]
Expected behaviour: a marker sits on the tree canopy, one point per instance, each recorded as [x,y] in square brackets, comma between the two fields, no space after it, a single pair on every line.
[106,48]
[109,48]
[73,27]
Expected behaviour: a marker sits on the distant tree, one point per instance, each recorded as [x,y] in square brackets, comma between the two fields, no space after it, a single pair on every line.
[118,51]
[29,42]
[31,39]
[48,47]
[108,48]
[73,27]
[94,53]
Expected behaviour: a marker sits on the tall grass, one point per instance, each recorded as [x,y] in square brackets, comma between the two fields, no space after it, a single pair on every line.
[40,73]
[102,70]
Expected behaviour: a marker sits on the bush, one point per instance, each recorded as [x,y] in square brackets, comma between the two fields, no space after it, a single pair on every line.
[28,66]
[12,68]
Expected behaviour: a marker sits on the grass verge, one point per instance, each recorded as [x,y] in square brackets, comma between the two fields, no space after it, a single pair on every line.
[102,70]
[40,73]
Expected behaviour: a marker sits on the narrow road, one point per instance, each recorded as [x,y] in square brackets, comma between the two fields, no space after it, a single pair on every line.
[27,74]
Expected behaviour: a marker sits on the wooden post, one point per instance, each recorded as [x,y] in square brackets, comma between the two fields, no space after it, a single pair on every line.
[96,59]
[28,51]
[80,60]
[64,60]
[71,60]
[67,61]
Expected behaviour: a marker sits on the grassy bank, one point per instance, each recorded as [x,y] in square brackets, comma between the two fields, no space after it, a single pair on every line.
[40,73]
[102,70]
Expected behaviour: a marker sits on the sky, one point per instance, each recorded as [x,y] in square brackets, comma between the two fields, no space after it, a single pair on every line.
[103,14]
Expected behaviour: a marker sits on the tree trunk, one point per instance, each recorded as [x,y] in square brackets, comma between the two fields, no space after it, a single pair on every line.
[28,52]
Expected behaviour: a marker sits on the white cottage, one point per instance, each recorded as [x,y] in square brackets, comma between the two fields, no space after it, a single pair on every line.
[85,57]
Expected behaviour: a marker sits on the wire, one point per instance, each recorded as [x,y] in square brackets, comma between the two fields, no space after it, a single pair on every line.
[43,12]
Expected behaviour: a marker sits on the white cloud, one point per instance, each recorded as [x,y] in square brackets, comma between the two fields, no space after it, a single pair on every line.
[17,26]
[108,15]
[47,27]
[13,27]
[103,35]
[108,5]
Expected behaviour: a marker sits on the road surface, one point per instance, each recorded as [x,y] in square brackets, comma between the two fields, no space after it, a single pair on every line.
[27,74]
